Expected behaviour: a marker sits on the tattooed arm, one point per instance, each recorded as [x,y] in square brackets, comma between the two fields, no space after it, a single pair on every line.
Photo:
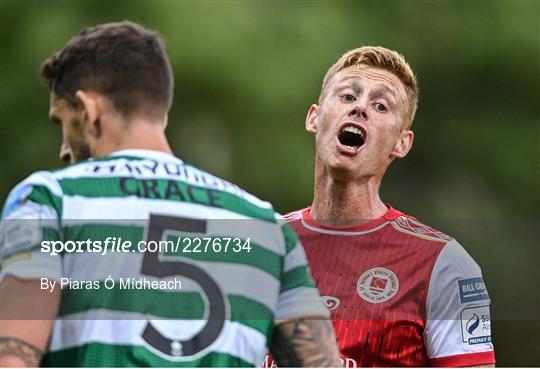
[305,342]
[14,351]
[26,319]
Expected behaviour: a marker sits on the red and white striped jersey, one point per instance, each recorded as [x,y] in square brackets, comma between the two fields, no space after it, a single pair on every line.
[400,292]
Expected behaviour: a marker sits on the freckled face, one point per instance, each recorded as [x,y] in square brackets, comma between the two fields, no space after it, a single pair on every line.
[360,121]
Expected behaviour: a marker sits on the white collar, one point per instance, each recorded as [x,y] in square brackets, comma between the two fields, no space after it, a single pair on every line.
[149,154]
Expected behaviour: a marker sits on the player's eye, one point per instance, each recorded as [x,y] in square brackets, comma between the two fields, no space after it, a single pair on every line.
[380,107]
[347,98]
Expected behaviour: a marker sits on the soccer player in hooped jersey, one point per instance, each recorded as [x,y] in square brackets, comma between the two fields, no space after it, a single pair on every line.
[400,292]
[111,90]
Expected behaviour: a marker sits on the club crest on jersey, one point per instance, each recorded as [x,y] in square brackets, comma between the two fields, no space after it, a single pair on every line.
[330,302]
[377,285]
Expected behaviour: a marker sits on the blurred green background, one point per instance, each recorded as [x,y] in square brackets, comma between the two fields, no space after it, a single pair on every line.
[246,73]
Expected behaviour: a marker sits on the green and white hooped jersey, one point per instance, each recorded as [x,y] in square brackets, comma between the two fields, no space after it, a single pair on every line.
[237,269]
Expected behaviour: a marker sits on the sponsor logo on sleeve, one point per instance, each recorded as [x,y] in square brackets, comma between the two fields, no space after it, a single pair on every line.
[22,231]
[16,199]
[476,325]
[19,235]
[472,289]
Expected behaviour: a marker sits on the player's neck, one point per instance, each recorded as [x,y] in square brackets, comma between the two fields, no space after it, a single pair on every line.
[140,135]
[346,203]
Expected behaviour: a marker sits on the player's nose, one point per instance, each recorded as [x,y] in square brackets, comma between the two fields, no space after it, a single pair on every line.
[358,111]
[65,153]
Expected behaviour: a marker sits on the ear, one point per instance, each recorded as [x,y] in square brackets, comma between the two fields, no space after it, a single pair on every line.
[404,144]
[90,106]
[312,118]
[166,121]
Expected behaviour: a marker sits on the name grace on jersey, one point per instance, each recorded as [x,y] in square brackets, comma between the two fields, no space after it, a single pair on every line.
[168,189]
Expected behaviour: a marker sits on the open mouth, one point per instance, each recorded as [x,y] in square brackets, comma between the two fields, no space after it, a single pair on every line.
[351,136]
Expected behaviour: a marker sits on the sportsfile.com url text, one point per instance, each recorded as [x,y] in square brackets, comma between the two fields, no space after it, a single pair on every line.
[182,245]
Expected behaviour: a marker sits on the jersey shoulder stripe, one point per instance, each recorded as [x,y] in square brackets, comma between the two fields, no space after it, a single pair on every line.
[413,227]
[294,215]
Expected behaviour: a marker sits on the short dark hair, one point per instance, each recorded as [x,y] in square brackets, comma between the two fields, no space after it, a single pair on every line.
[123,61]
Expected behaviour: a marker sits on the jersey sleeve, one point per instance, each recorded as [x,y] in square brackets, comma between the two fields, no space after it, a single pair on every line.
[298,295]
[458,327]
[31,214]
